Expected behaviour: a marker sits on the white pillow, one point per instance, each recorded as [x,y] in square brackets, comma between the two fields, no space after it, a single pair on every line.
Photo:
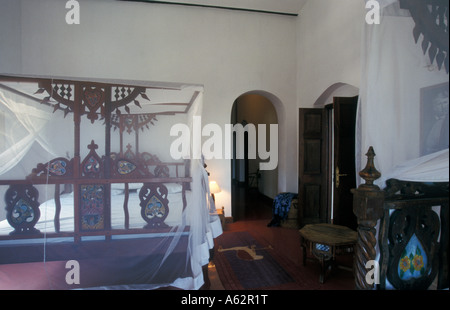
[130,186]
[173,188]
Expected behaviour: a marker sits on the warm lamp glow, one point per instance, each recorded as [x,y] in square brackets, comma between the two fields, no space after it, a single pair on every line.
[214,187]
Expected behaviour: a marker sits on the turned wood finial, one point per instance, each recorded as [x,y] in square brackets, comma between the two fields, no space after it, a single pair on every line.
[370,173]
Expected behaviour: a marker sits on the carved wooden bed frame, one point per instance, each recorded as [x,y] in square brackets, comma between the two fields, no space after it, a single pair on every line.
[413,236]
[91,179]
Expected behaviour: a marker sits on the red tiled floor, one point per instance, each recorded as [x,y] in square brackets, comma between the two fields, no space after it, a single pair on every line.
[256,213]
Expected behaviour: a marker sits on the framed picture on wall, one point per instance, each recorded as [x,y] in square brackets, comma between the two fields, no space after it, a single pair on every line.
[434,118]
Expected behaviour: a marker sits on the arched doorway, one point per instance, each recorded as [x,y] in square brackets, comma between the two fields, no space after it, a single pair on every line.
[252,188]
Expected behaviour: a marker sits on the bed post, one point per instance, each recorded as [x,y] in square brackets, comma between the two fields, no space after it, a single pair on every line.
[77,160]
[368,202]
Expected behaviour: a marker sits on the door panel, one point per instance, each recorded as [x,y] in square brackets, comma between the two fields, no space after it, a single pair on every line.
[312,183]
[312,200]
[312,161]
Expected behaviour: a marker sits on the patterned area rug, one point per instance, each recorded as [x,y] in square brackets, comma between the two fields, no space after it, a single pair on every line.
[245,263]
[249,263]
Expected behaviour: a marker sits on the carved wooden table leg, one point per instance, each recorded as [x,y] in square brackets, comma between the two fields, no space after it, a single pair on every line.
[323,269]
[303,246]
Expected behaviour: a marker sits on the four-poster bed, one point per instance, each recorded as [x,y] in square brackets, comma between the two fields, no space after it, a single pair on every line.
[125,216]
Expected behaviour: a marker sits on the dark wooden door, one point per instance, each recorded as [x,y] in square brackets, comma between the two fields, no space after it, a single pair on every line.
[312,182]
[344,160]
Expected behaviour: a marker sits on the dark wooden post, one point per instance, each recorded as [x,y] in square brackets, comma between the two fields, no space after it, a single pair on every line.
[77,112]
[368,202]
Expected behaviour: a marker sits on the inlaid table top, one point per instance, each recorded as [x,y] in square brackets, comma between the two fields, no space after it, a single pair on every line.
[329,234]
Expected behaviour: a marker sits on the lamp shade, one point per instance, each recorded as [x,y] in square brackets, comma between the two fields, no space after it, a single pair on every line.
[214,187]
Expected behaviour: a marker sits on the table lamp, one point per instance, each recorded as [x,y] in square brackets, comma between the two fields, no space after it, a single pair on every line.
[214,188]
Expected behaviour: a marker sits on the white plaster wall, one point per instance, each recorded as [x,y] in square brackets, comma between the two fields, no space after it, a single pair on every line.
[229,52]
[10,36]
[329,45]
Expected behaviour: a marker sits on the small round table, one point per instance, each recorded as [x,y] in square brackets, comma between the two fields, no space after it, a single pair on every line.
[325,241]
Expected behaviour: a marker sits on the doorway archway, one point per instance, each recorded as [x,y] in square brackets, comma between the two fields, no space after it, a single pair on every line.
[249,182]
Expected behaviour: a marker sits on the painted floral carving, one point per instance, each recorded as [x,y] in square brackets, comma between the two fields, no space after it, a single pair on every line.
[412,263]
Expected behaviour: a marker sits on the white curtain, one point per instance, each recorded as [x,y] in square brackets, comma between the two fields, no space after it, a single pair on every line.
[403,96]
[22,125]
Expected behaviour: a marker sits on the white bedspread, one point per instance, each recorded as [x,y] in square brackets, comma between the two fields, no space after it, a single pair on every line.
[428,168]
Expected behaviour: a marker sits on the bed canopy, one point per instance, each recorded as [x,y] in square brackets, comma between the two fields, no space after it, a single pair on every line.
[403,108]
[87,177]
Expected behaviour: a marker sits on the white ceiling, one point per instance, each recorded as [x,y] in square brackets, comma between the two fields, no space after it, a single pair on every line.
[277,6]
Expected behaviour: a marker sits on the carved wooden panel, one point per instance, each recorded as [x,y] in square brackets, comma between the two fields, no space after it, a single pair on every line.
[431,24]
[127,165]
[92,165]
[22,208]
[93,97]
[93,207]
[93,101]
[154,204]
[132,122]
[412,244]
[154,166]
[59,167]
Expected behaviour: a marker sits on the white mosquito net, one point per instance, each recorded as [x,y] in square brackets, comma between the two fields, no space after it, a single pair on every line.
[93,197]
[403,108]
